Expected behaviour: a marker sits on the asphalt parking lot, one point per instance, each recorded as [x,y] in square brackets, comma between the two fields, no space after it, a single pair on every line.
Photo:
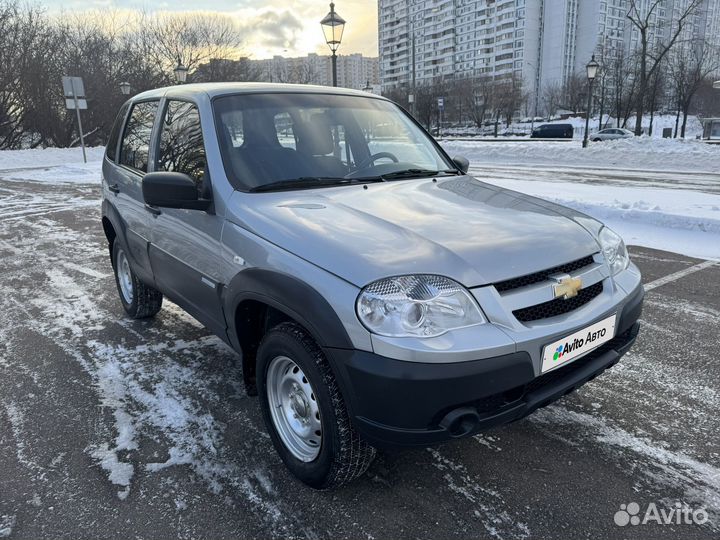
[112,428]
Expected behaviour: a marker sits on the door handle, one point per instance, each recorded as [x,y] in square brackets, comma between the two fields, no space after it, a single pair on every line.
[153,210]
[114,188]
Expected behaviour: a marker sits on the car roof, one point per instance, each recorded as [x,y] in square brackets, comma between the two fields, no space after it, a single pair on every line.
[216,89]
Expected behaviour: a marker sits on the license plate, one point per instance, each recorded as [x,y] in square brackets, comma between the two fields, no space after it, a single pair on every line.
[577,344]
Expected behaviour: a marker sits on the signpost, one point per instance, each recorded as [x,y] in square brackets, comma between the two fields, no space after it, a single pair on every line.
[74,91]
[441,110]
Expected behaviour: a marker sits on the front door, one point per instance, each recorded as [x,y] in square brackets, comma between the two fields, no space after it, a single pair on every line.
[127,179]
[185,250]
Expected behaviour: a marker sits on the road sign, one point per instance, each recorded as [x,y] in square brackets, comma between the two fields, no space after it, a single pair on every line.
[74,91]
[441,103]
[73,87]
[70,103]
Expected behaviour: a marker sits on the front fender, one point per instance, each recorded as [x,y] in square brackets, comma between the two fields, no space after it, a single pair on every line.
[289,295]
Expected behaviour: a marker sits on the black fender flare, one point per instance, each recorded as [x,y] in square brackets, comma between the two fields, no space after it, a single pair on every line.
[289,295]
[110,213]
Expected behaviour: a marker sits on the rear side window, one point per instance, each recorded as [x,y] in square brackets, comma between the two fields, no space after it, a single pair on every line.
[115,133]
[135,147]
[181,141]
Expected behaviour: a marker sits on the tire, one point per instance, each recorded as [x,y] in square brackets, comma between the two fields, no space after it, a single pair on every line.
[139,300]
[597,140]
[338,454]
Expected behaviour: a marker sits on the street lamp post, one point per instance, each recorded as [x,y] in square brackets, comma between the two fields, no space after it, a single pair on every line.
[592,68]
[125,88]
[333,26]
[181,73]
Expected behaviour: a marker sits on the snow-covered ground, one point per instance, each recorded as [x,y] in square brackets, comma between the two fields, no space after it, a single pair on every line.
[660,193]
[636,186]
[54,165]
[641,153]
[692,130]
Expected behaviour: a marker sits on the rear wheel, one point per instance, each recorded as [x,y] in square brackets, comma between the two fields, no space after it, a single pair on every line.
[138,299]
[597,140]
[304,411]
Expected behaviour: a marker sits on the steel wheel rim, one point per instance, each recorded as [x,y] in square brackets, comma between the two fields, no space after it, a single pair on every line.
[294,409]
[125,277]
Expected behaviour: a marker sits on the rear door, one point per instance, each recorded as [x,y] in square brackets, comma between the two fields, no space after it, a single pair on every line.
[132,160]
[185,250]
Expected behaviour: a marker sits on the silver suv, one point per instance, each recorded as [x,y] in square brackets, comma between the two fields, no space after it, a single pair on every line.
[378,296]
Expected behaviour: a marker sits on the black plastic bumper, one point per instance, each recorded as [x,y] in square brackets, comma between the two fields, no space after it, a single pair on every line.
[396,403]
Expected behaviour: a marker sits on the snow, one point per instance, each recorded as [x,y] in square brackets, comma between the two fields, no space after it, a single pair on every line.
[6,525]
[52,165]
[650,206]
[639,153]
[660,121]
[47,157]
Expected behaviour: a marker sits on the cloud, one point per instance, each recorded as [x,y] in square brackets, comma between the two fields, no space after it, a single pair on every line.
[270,27]
[275,29]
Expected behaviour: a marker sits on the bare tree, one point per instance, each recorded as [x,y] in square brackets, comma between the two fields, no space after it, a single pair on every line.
[642,15]
[575,92]
[657,86]
[190,40]
[509,97]
[689,68]
[552,98]
[623,83]
[476,97]
[225,69]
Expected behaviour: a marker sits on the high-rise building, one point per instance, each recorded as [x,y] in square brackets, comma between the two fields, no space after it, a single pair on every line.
[542,41]
[353,70]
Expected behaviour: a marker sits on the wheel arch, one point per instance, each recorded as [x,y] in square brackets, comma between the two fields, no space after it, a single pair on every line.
[256,300]
[113,225]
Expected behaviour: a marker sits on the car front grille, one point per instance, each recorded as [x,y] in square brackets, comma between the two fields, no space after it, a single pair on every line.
[558,306]
[544,275]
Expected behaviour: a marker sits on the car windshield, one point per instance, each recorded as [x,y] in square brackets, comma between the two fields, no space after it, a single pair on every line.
[309,140]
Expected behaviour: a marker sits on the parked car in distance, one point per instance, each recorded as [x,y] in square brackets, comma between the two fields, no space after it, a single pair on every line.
[609,134]
[553,131]
[377,295]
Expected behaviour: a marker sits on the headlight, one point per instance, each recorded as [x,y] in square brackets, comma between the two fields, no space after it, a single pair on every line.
[419,305]
[614,250]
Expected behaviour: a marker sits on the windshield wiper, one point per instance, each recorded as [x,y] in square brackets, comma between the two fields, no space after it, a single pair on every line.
[310,182]
[411,173]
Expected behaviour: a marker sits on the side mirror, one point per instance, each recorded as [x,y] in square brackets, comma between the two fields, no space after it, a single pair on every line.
[172,190]
[461,163]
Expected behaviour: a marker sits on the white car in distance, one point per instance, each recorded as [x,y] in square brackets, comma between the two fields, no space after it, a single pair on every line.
[609,134]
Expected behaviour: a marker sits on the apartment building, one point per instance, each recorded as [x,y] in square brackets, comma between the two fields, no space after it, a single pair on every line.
[542,41]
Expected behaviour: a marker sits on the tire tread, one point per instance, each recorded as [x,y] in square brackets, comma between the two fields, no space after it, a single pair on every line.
[355,455]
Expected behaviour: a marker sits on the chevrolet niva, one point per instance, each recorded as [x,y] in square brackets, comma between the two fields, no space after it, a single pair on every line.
[379,297]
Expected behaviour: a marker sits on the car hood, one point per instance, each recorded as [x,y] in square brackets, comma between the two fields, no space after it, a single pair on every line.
[473,232]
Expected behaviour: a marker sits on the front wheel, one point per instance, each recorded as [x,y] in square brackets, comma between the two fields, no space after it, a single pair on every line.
[304,411]
[138,299]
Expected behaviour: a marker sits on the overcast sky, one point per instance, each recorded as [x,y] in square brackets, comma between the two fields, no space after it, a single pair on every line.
[285,27]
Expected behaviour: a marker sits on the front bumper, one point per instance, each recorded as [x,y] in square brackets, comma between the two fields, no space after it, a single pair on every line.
[398,403]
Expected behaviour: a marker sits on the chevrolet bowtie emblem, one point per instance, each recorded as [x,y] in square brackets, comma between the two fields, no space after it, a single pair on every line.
[567,286]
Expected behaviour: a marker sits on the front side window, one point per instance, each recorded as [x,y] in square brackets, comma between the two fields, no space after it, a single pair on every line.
[275,137]
[181,141]
[135,147]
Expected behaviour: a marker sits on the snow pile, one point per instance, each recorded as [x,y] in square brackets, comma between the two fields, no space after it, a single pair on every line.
[676,220]
[47,157]
[639,153]
[52,165]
